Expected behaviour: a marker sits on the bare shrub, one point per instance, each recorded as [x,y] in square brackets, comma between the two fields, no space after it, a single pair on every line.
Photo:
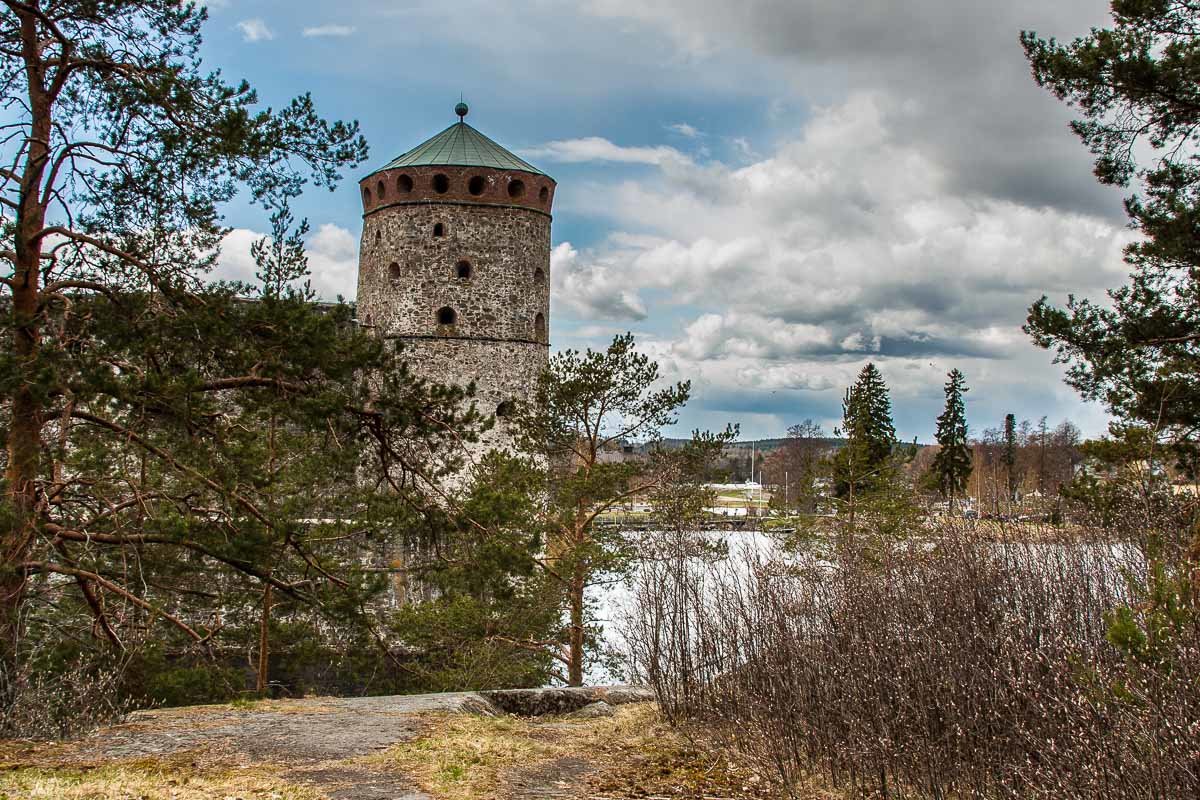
[952,667]
[60,704]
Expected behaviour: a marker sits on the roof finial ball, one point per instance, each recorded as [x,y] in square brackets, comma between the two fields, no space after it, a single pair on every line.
[461,109]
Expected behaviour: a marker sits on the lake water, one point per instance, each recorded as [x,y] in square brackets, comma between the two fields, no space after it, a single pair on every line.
[612,600]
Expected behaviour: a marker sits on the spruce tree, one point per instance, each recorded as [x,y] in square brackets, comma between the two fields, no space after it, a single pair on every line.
[952,464]
[1009,457]
[869,432]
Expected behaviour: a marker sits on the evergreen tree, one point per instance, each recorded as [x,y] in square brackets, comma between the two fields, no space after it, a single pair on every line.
[1136,86]
[586,403]
[867,415]
[869,432]
[166,440]
[1009,456]
[952,464]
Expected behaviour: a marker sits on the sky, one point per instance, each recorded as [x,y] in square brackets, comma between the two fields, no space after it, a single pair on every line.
[767,193]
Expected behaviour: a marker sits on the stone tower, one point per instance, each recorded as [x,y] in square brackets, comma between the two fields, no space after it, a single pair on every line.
[455,263]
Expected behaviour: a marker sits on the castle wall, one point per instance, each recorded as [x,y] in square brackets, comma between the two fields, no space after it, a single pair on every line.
[505,250]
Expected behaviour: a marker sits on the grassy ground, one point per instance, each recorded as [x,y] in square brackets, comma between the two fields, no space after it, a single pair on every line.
[634,754]
[148,780]
[453,756]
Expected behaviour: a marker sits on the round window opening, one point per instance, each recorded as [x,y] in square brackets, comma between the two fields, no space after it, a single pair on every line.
[543,194]
[393,270]
[367,195]
[380,189]
[446,316]
[404,184]
[516,188]
[441,184]
[506,409]
[476,185]
[463,270]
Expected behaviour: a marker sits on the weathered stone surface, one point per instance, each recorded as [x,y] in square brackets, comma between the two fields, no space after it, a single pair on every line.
[486,257]
[320,741]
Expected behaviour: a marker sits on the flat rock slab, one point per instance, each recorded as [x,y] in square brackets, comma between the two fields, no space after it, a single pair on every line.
[310,738]
[284,731]
[315,740]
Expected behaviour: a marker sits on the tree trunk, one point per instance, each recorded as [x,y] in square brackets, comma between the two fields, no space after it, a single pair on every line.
[264,644]
[575,665]
[18,527]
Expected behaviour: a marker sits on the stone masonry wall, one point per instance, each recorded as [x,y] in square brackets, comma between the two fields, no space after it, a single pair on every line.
[502,371]
[488,260]
[406,274]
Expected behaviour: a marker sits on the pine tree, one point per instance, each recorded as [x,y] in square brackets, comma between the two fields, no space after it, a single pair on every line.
[1135,84]
[163,436]
[867,414]
[586,403]
[952,464]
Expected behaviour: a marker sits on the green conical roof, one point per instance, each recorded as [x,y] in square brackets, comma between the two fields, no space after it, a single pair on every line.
[460,145]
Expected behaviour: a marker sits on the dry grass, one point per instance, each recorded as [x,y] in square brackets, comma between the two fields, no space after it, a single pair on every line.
[147,781]
[633,753]
[458,757]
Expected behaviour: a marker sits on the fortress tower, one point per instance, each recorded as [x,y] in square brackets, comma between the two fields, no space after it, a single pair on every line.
[455,263]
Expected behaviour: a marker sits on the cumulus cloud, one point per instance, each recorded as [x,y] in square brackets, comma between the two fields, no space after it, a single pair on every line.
[255,30]
[332,260]
[596,148]
[588,288]
[844,244]
[328,30]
